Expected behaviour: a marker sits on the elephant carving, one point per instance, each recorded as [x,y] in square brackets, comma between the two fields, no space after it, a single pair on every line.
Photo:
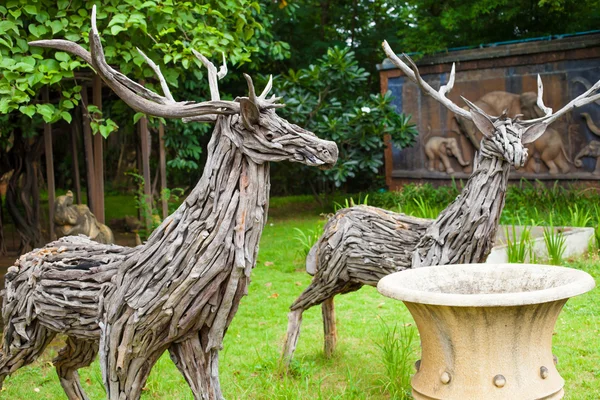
[591,150]
[496,103]
[76,219]
[549,148]
[590,124]
[440,148]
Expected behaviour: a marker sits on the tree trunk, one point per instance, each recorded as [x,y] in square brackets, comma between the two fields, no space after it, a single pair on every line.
[49,167]
[98,155]
[75,131]
[89,152]
[2,241]
[162,165]
[145,147]
[22,196]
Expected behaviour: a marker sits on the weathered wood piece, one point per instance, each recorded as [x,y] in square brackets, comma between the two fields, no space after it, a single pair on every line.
[362,244]
[180,290]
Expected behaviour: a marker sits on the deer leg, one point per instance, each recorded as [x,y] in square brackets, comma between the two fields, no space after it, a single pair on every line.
[128,382]
[316,293]
[291,338]
[199,368]
[24,350]
[329,327]
[76,354]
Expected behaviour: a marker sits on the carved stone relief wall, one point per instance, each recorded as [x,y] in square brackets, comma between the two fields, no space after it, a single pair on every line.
[445,148]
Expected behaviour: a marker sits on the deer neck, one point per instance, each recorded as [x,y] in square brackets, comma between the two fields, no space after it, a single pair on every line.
[210,241]
[465,231]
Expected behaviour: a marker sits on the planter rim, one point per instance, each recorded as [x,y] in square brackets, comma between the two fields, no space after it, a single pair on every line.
[423,285]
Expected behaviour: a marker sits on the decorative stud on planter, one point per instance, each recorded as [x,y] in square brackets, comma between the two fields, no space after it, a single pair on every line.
[486,329]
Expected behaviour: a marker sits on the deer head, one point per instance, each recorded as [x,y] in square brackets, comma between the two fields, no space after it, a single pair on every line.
[254,127]
[503,137]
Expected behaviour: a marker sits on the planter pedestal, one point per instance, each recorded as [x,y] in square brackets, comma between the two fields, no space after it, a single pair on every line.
[486,330]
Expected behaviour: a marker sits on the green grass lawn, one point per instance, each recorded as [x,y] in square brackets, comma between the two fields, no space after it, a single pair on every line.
[249,361]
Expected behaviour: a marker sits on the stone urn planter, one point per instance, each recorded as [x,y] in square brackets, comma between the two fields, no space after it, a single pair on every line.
[486,329]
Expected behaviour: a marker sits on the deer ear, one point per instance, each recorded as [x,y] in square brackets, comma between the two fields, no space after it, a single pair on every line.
[532,133]
[250,113]
[481,120]
[483,123]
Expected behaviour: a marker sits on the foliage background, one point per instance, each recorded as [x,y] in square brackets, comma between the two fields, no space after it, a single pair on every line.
[322,52]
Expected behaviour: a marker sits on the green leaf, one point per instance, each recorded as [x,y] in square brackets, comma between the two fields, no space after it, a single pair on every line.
[5,43]
[28,110]
[116,29]
[30,9]
[119,19]
[105,131]
[137,117]
[4,103]
[73,37]
[23,67]
[62,4]
[62,56]
[56,26]
[46,111]
[66,116]
[5,26]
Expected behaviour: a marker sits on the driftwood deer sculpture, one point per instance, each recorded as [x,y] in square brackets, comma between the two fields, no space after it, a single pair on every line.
[362,244]
[180,290]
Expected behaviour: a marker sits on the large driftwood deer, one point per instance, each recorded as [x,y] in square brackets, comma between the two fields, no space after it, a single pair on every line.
[362,244]
[180,290]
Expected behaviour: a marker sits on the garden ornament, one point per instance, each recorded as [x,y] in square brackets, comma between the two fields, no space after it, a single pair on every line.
[180,290]
[362,244]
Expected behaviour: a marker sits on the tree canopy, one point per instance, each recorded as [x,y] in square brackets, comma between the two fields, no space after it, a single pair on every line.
[166,30]
[424,26]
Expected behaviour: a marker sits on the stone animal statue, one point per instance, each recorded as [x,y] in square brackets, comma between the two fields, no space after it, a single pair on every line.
[362,244]
[180,290]
[438,149]
[592,149]
[77,219]
[549,148]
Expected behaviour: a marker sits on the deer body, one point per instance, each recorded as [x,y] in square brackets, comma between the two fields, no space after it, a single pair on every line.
[463,233]
[180,290]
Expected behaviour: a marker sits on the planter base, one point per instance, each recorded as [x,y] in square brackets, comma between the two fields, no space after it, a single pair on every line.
[420,396]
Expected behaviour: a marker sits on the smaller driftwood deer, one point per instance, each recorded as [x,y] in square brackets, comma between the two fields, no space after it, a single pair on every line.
[180,290]
[362,244]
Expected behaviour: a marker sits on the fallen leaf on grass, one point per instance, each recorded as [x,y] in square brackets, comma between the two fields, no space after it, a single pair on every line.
[269,263]
[274,295]
[268,284]
[298,283]
[37,390]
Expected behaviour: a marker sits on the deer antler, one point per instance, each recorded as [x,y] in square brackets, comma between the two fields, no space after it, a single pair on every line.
[589,96]
[137,96]
[412,73]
